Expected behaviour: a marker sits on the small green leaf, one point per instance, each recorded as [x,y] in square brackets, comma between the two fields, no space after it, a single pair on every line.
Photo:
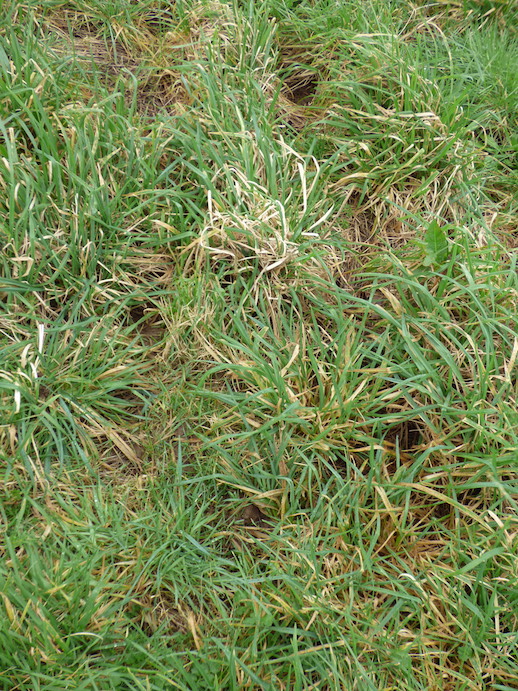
[436,244]
[4,60]
[465,652]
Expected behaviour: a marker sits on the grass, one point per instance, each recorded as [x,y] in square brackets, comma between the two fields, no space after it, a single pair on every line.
[258,345]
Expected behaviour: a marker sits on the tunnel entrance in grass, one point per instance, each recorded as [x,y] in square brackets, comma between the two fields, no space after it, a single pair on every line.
[299,77]
[400,443]
[406,436]
[300,86]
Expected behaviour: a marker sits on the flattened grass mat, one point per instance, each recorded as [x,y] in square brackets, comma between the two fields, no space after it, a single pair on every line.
[258,345]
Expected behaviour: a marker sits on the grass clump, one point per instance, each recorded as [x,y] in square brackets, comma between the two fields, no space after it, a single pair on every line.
[258,345]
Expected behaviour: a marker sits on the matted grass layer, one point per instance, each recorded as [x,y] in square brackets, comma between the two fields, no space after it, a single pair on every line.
[258,345]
